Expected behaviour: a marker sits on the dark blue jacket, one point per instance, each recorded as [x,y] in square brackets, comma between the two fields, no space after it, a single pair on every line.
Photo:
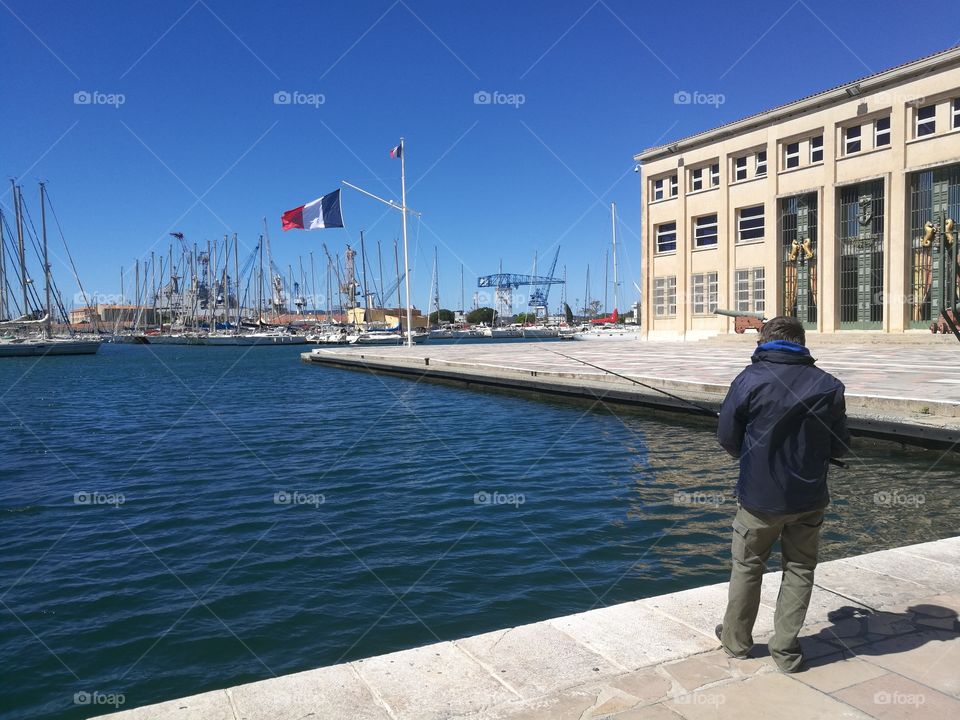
[784,419]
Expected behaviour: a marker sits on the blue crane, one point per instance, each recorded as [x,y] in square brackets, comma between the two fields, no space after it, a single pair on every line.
[507,282]
[538,298]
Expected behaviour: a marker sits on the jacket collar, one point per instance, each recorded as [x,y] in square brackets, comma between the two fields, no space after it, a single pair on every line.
[783,351]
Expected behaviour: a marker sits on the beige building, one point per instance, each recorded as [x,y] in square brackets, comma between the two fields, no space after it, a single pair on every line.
[838,208]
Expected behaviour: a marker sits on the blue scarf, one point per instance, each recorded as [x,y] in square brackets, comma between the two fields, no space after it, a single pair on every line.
[783,345]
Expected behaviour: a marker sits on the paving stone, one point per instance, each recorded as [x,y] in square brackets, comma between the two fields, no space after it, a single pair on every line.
[772,695]
[647,685]
[206,706]
[694,673]
[650,712]
[891,697]
[633,635]
[867,587]
[931,658]
[837,674]
[822,602]
[334,691]
[537,659]
[435,681]
[703,608]
[946,550]
[938,576]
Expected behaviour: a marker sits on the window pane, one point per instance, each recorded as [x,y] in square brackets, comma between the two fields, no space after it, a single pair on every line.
[926,121]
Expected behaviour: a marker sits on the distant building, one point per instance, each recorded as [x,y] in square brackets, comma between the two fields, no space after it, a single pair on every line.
[122,316]
[387,316]
[818,209]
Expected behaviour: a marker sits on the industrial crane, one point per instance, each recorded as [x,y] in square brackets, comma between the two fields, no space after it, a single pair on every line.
[505,283]
[538,298]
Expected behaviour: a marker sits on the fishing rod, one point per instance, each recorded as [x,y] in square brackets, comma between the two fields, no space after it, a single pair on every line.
[701,408]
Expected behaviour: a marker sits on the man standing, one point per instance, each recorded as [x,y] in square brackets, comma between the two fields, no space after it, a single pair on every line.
[783,418]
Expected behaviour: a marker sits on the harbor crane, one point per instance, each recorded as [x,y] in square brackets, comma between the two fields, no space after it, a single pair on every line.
[506,283]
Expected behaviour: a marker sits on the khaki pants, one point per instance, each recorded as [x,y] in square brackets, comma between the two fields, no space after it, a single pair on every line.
[753,536]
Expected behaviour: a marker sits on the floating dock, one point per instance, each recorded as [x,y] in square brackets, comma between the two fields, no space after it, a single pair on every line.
[882,640]
[908,392]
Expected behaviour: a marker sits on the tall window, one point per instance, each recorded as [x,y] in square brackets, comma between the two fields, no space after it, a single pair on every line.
[750,224]
[674,188]
[703,287]
[791,155]
[881,132]
[851,140]
[926,120]
[658,189]
[761,166]
[665,296]
[816,149]
[705,231]
[667,237]
[715,168]
[956,114]
[750,290]
[696,179]
[740,168]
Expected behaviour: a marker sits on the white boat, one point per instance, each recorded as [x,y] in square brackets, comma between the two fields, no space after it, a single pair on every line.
[541,331]
[247,339]
[39,347]
[467,334]
[611,332]
[505,332]
[441,334]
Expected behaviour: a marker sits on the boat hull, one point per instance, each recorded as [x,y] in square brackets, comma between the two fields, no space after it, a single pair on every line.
[42,348]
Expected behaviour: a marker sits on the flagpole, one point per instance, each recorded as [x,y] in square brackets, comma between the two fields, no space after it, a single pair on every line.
[406,256]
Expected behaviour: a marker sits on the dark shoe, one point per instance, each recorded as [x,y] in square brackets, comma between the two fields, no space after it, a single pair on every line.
[718,631]
[797,667]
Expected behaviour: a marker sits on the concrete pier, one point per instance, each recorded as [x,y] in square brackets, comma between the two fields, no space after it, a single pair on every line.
[907,392]
[882,641]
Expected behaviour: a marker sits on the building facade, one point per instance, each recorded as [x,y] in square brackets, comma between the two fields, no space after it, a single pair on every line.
[838,209]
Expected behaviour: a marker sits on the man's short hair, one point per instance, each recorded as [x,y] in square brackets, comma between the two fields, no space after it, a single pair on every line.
[783,327]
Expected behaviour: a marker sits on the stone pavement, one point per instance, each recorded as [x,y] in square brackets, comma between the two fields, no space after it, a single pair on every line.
[882,640]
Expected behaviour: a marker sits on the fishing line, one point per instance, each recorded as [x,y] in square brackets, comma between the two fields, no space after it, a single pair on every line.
[701,408]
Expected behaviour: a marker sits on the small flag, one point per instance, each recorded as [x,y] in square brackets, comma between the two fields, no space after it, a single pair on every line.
[324,212]
[396,152]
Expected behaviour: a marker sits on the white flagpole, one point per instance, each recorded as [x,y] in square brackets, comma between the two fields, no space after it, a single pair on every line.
[406,256]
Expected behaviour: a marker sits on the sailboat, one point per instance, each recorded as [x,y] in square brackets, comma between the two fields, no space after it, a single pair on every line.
[608,328]
[31,333]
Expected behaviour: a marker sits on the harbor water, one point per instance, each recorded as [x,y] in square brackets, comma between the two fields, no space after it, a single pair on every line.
[179,519]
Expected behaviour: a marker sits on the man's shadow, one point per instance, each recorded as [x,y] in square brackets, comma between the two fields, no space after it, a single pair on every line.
[857,631]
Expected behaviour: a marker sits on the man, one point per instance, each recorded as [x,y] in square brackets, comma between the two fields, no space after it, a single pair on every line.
[784,419]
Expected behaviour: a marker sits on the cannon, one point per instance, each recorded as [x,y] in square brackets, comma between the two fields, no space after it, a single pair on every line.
[743,320]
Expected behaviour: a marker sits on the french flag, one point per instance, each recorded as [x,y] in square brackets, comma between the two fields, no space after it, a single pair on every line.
[324,212]
[396,152]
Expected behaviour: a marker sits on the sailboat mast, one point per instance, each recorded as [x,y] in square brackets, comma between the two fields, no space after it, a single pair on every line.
[260,284]
[18,204]
[396,261]
[462,308]
[616,285]
[3,273]
[606,266]
[236,281]
[380,262]
[363,272]
[46,258]
[313,287]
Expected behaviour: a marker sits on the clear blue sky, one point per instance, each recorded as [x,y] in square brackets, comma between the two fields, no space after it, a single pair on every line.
[492,181]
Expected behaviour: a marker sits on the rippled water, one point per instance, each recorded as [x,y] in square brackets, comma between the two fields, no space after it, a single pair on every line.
[174,520]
